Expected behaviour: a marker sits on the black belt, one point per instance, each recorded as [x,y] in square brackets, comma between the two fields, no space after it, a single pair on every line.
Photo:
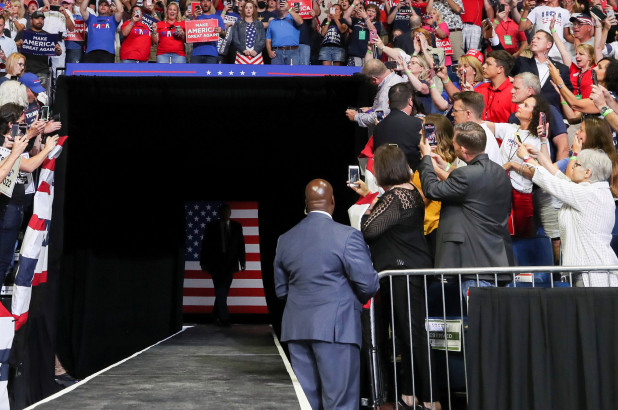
[455,29]
[285,48]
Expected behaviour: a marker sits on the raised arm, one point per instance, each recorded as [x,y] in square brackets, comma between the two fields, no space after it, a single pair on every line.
[566,57]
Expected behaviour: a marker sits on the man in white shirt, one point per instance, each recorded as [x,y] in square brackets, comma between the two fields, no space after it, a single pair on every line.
[6,43]
[58,22]
[540,19]
[469,106]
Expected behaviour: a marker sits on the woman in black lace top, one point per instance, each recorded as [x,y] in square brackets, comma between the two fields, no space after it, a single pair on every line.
[393,228]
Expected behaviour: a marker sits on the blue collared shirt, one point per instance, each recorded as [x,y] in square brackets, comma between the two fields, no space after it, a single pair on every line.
[283,31]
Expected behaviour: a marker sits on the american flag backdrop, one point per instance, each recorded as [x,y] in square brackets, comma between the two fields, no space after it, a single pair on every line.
[247,291]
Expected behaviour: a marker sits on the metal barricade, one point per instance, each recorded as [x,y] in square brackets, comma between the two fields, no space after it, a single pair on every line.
[443,279]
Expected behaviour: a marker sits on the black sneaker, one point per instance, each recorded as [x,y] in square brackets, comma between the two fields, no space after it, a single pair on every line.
[65,380]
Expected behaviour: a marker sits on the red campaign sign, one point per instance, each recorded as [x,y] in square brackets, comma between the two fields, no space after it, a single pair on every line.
[199,31]
[193,4]
[79,33]
[305,7]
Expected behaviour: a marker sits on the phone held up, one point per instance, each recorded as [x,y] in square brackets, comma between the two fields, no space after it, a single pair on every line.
[542,123]
[429,130]
[353,175]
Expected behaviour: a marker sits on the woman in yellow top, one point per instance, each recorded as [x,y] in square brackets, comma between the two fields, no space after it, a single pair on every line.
[443,153]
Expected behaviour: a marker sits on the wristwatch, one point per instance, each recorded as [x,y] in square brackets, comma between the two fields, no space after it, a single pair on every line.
[604,109]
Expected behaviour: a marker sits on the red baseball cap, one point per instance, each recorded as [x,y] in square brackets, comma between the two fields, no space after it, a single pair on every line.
[476,54]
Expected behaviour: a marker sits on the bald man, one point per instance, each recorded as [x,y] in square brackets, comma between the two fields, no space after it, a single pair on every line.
[324,271]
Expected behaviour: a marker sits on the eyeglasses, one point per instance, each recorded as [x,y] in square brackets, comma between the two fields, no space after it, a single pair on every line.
[463,110]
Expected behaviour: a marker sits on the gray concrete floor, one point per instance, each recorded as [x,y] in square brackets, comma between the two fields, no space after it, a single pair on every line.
[205,367]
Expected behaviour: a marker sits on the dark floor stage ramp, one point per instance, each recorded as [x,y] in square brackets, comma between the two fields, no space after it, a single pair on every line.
[203,367]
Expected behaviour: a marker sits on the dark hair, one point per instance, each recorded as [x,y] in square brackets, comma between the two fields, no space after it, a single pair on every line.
[471,136]
[540,105]
[9,113]
[444,135]
[503,59]
[472,101]
[599,136]
[390,166]
[611,74]
[3,19]
[417,105]
[375,8]
[398,96]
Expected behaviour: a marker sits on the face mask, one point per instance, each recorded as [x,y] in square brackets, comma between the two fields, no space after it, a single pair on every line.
[262,4]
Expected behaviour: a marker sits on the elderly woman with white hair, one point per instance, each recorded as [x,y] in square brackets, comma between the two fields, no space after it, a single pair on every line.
[586,218]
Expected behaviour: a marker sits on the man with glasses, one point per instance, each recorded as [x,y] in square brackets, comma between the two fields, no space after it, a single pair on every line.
[384,79]
[468,106]
[206,52]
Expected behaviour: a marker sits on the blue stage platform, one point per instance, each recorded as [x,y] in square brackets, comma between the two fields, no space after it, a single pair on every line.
[206,70]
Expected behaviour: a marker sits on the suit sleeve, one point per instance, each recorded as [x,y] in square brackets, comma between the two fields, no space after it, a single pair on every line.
[357,261]
[282,277]
[242,257]
[452,189]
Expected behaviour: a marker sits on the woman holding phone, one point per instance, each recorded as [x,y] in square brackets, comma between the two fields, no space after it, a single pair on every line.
[170,37]
[533,130]
[12,209]
[334,30]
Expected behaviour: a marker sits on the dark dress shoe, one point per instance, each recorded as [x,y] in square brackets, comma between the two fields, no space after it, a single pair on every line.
[65,380]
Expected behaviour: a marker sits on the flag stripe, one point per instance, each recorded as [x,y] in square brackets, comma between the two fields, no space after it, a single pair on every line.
[232,301]
[194,274]
[233,292]
[247,290]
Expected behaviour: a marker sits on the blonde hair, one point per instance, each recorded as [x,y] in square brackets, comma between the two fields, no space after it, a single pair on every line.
[11,62]
[475,64]
[20,8]
[439,19]
[588,50]
[178,14]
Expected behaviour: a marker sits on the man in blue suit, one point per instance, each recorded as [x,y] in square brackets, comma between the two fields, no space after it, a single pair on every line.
[324,270]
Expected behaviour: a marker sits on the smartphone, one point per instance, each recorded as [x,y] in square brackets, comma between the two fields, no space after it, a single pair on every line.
[595,80]
[598,12]
[542,123]
[391,65]
[14,131]
[44,113]
[54,8]
[23,129]
[353,174]
[379,115]
[297,7]
[373,36]
[501,8]
[436,61]
[429,130]
[148,3]
[463,74]
[332,11]
[137,13]
[198,7]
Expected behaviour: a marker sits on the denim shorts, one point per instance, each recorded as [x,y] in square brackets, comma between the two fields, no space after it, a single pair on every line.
[328,53]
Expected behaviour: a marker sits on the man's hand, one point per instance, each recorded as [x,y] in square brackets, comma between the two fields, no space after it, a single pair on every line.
[529,4]
[272,54]
[424,147]
[243,267]
[58,49]
[51,142]
[19,144]
[35,129]
[440,162]
[19,43]
[488,29]
[52,126]
[351,114]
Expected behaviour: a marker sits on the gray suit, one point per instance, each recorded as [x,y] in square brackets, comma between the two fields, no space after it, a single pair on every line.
[476,204]
[324,270]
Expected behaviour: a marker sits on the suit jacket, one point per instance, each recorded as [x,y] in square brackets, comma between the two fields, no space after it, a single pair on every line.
[401,129]
[213,257]
[476,204]
[523,64]
[324,270]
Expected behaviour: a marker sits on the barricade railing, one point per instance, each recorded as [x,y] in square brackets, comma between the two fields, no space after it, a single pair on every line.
[448,327]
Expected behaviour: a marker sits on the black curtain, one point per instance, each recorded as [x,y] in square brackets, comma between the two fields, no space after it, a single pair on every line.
[138,148]
[543,348]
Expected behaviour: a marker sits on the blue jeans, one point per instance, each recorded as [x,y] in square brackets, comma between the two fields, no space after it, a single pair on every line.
[286,57]
[471,283]
[305,54]
[74,56]
[10,221]
[204,59]
[334,54]
[176,59]
[129,61]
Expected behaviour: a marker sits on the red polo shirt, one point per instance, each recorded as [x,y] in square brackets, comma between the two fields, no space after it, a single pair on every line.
[498,105]
[509,35]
